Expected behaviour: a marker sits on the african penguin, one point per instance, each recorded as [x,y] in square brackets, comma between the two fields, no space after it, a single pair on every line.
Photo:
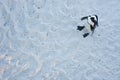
[90,25]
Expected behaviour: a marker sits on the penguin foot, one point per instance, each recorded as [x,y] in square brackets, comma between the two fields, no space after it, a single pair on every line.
[80,28]
[85,35]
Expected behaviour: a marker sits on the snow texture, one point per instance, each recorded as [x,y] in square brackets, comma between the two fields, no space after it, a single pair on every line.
[39,40]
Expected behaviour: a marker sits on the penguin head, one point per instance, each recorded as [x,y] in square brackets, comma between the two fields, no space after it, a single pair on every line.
[93,19]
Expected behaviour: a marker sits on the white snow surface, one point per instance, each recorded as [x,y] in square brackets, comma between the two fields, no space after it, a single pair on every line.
[39,40]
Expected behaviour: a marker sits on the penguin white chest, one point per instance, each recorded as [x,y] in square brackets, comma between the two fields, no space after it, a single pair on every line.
[87,26]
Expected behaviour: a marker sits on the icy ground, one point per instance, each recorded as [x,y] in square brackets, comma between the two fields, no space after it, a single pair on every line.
[39,40]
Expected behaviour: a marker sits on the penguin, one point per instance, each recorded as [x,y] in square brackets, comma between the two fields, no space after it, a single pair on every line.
[90,25]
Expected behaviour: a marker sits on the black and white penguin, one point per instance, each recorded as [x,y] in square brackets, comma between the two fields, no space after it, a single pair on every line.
[90,25]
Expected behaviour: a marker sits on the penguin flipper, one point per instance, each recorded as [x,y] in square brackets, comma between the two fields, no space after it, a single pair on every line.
[85,17]
[85,35]
[97,20]
[80,28]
